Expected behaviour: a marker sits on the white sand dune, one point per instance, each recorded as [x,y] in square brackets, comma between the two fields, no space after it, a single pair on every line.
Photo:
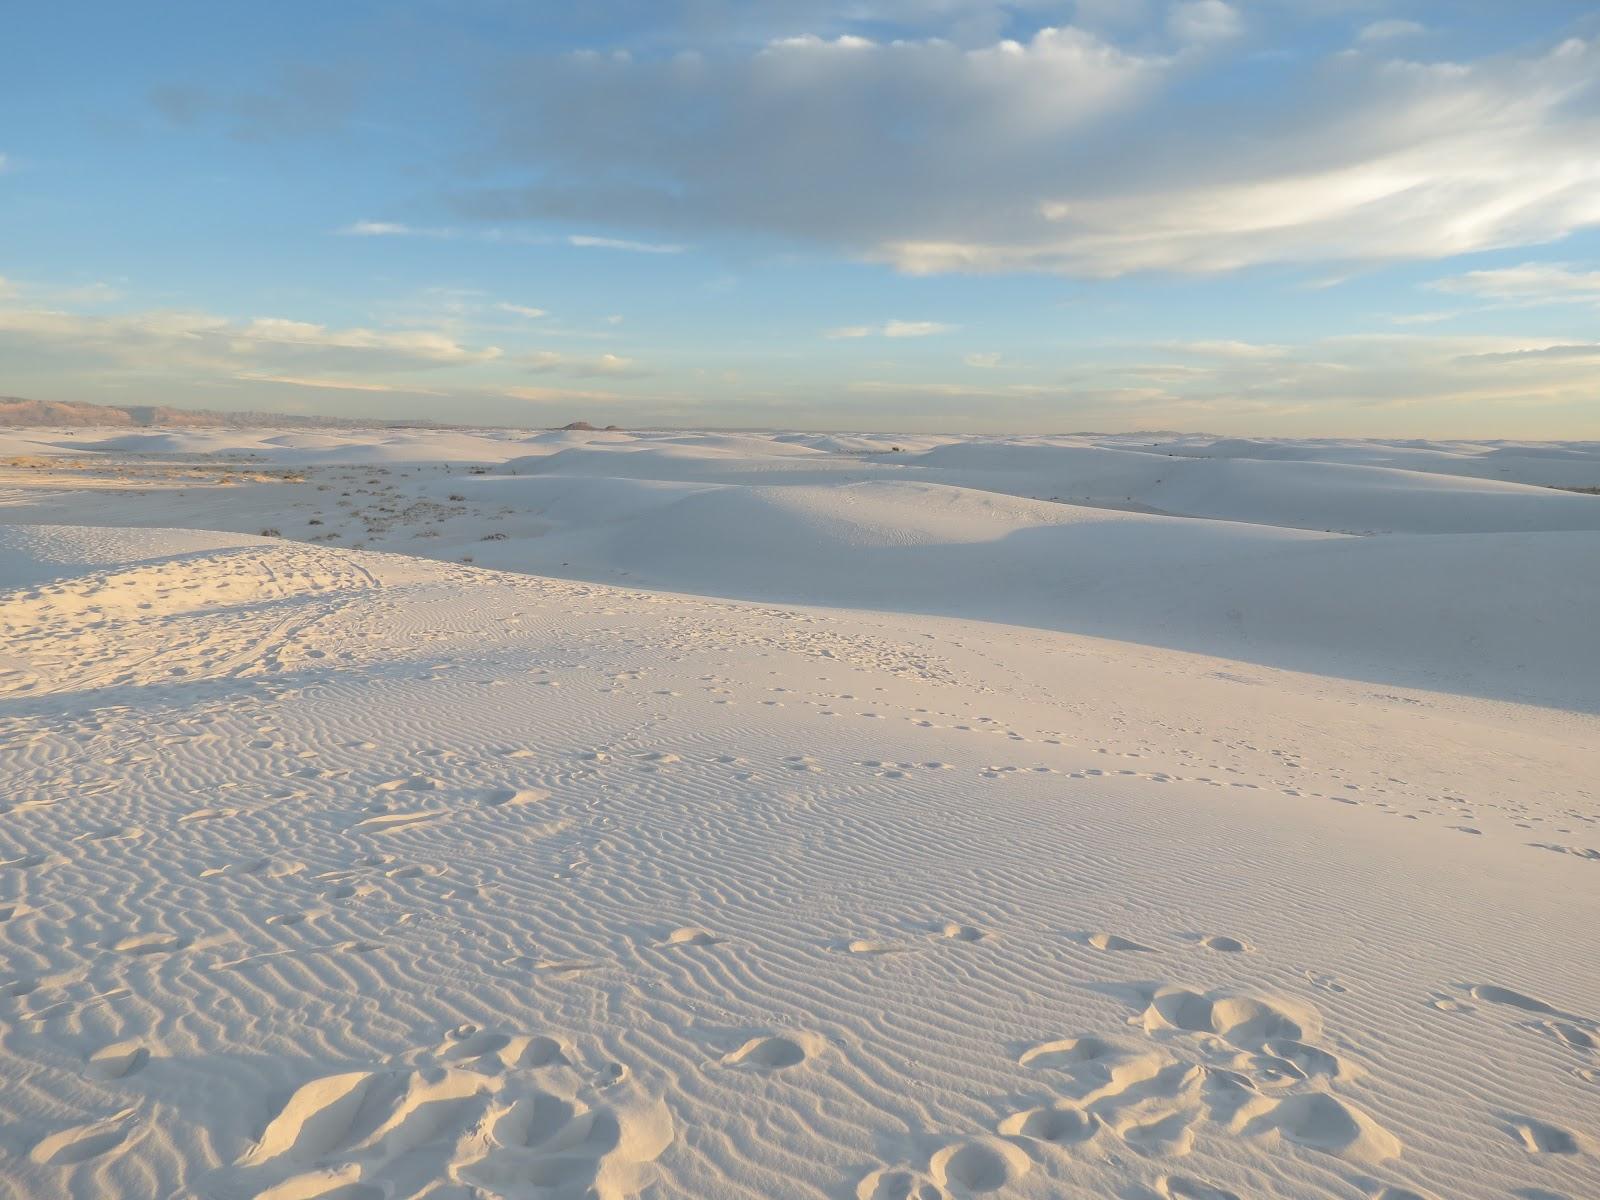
[1401,577]
[1244,859]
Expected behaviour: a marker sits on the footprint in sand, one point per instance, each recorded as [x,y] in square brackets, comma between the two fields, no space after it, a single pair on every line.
[1491,994]
[1539,1137]
[409,783]
[870,946]
[974,1167]
[1060,1124]
[1224,944]
[394,822]
[689,935]
[497,1119]
[514,797]
[149,943]
[953,932]
[118,1061]
[1111,942]
[83,1142]
[1181,1187]
[774,1052]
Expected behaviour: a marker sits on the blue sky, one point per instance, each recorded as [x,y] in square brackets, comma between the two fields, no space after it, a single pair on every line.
[1330,217]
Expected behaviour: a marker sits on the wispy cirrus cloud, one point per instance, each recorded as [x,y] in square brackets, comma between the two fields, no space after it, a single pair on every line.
[551,361]
[1531,283]
[164,341]
[1389,29]
[582,241]
[610,243]
[889,329]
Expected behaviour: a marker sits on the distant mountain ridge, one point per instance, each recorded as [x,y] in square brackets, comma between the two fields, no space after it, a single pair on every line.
[16,412]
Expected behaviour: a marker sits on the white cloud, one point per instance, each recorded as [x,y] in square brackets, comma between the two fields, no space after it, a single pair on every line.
[1389,30]
[915,329]
[1051,155]
[1425,318]
[1531,283]
[1204,21]
[545,395]
[1228,349]
[608,243]
[987,362]
[548,361]
[365,228]
[201,343]
[341,385]
[890,329]
[522,310]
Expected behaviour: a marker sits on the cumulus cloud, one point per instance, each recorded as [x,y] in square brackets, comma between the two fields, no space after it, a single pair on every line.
[1204,21]
[1530,283]
[1390,29]
[1054,154]
[889,329]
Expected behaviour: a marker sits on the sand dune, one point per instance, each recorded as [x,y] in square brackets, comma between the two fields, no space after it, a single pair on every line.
[1400,577]
[1223,868]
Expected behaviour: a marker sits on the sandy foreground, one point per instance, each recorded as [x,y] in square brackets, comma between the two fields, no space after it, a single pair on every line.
[794,816]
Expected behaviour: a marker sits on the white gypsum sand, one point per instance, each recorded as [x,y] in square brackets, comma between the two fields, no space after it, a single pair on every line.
[791,816]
